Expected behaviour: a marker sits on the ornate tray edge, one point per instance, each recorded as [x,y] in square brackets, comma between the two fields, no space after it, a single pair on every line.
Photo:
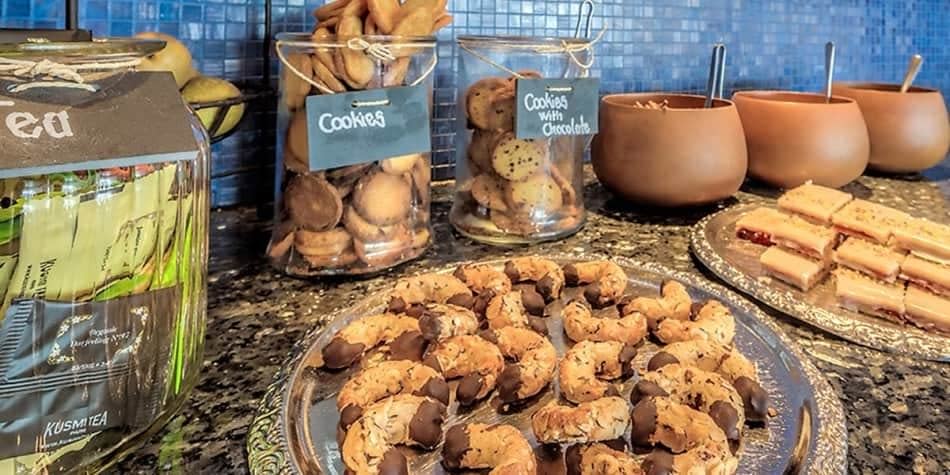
[266,444]
[872,337]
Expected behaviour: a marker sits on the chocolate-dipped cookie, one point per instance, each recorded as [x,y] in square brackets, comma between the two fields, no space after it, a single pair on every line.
[312,203]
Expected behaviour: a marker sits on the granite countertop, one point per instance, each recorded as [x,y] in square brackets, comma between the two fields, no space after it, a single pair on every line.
[895,406]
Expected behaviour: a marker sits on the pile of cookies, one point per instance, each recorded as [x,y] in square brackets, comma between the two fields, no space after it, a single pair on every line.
[342,68]
[510,186]
[358,218]
[487,329]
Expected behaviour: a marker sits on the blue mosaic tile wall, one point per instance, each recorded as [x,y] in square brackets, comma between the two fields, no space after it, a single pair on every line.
[648,45]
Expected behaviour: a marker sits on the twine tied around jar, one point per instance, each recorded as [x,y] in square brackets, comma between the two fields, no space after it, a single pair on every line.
[58,74]
[570,48]
[378,51]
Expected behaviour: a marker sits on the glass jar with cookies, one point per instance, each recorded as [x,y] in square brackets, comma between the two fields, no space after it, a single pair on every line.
[512,190]
[355,210]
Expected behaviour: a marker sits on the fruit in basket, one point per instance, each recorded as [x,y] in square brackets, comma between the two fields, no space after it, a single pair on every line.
[174,58]
[208,89]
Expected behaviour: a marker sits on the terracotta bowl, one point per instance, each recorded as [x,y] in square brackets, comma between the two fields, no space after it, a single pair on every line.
[794,137]
[909,132]
[681,156]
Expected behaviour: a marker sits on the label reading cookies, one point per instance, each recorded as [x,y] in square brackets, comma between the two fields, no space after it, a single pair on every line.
[555,107]
[358,127]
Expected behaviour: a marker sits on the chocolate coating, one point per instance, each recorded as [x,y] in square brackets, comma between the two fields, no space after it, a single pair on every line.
[538,324]
[533,302]
[618,444]
[480,304]
[437,389]
[659,462]
[394,463]
[512,272]
[572,459]
[340,353]
[467,391]
[644,422]
[754,399]
[645,389]
[660,360]
[432,362]
[349,415]
[726,418]
[509,383]
[410,346]
[489,335]
[627,354]
[430,326]
[592,294]
[462,300]
[456,444]
[570,275]
[546,287]
[397,305]
[426,425]
[415,310]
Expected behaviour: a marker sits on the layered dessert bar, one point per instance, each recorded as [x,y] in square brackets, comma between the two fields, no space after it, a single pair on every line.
[803,237]
[814,202]
[926,309]
[860,293]
[757,225]
[875,260]
[867,220]
[925,239]
[927,274]
[793,268]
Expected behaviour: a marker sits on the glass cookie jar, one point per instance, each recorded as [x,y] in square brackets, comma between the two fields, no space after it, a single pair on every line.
[103,252]
[511,190]
[366,216]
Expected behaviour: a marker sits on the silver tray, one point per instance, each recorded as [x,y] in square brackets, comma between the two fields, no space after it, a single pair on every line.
[736,261]
[294,431]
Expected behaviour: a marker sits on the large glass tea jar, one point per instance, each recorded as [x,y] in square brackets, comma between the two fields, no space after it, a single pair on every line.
[103,251]
[511,190]
[349,214]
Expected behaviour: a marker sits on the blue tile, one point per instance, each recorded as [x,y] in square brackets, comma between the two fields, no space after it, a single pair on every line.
[650,44]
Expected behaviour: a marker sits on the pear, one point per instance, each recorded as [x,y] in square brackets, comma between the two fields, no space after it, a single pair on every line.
[207,89]
[175,58]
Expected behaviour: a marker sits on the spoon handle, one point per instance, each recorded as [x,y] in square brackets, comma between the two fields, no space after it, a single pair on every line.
[912,69]
[829,68]
[721,80]
[713,75]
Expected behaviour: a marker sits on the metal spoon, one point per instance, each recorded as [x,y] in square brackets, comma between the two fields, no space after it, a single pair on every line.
[714,64]
[829,68]
[721,81]
[912,69]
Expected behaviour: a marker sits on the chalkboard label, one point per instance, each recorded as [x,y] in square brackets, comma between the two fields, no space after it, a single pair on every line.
[120,120]
[358,127]
[556,107]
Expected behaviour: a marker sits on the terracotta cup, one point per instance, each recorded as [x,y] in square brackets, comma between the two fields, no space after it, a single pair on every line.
[909,132]
[679,156]
[794,137]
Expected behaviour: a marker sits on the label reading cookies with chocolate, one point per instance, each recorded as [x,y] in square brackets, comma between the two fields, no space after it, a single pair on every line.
[555,107]
[364,126]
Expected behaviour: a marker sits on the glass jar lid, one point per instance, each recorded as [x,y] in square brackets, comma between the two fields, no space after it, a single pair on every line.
[540,44]
[117,48]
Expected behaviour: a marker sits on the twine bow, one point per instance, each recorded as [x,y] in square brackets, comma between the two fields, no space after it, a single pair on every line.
[378,51]
[56,75]
[571,48]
